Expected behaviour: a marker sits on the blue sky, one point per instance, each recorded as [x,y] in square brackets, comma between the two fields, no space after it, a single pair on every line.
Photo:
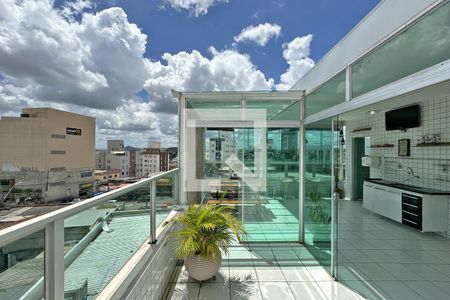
[173,31]
[117,60]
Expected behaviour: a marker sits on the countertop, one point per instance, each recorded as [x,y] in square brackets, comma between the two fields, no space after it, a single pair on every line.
[407,187]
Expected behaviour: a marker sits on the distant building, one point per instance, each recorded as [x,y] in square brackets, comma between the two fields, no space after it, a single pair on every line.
[100,159]
[119,160]
[48,152]
[103,176]
[163,161]
[114,145]
[150,161]
[133,162]
[220,148]
[154,145]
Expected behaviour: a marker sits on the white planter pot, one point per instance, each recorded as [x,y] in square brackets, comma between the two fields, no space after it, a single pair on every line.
[202,268]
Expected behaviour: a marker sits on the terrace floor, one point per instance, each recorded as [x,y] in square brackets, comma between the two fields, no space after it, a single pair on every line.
[262,271]
[383,259]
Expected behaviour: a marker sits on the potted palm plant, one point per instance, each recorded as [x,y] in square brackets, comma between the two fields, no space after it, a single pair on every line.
[205,232]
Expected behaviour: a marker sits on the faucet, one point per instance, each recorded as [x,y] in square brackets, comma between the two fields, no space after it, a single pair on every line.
[410,171]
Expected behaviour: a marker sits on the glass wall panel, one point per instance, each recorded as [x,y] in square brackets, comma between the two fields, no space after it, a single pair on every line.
[213,104]
[165,198]
[271,212]
[277,110]
[329,94]
[319,150]
[254,172]
[103,238]
[22,267]
[422,45]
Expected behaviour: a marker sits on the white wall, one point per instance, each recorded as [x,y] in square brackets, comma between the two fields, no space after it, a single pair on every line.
[155,278]
[427,162]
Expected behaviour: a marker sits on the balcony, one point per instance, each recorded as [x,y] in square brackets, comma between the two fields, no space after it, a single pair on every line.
[114,246]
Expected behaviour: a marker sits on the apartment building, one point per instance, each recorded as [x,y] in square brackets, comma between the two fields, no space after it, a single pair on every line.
[119,160]
[49,152]
[133,162]
[150,161]
[100,159]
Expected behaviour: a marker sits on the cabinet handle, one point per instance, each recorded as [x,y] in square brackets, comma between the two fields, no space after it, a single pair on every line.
[410,213]
[411,197]
[410,205]
[409,221]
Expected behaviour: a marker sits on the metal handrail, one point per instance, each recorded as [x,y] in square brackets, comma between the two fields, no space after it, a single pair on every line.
[23,229]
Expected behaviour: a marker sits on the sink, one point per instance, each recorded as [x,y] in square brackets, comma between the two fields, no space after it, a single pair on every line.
[403,185]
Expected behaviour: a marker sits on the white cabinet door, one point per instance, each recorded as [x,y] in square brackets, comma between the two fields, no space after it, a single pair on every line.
[368,191]
[379,201]
[394,205]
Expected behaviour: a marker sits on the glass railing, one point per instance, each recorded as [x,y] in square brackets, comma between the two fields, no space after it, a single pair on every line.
[80,248]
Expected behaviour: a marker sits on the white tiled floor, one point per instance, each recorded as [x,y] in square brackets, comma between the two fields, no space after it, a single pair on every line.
[263,272]
[382,259]
[378,258]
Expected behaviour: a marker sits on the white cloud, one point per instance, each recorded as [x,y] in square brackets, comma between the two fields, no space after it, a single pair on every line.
[96,62]
[279,3]
[93,63]
[227,70]
[296,54]
[195,7]
[259,34]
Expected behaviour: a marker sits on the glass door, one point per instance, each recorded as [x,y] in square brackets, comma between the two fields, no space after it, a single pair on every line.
[320,157]
[255,171]
[270,206]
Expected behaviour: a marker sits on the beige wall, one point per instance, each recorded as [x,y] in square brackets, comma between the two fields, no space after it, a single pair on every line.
[23,143]
[28,142]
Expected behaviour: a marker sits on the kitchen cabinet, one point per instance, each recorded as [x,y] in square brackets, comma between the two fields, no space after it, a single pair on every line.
[368,192]
[429,214]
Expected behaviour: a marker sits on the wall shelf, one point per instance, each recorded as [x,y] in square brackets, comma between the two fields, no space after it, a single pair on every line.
[383,146]
[362,129]
[433,145]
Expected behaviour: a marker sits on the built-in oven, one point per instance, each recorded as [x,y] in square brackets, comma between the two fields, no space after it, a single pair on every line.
[412,211]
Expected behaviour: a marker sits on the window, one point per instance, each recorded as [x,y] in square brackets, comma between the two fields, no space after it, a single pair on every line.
[60,169]
[58,152]
[58,136]
[86,174]
[423,44]
[331,93]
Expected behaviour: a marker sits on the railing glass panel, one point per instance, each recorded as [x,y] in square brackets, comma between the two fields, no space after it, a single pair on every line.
[99,240]
[22,266]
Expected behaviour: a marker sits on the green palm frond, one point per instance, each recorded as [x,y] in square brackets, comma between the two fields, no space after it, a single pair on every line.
[206,230]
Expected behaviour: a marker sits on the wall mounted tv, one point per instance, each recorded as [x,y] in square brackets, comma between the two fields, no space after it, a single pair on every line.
[403,118]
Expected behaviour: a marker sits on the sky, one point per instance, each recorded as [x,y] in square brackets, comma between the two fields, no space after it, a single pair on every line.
[117,60]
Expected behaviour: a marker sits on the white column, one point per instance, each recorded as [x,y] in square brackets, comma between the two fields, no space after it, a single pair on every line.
[54,260]
[348,83]
[153,212]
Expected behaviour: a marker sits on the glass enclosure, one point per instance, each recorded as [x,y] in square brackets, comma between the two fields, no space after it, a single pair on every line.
[255,171]
[248,160]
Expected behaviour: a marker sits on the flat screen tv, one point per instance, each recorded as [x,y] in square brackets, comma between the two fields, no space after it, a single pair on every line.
[403,118]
